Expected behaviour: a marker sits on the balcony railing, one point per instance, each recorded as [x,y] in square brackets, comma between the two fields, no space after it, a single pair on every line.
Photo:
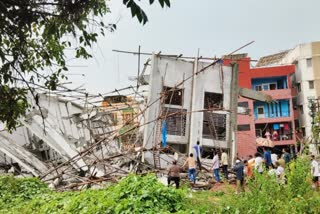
[279,138]
[272,115]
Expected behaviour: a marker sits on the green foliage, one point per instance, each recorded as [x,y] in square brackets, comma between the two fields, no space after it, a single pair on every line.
[133,194]
[140,194]
[13,104]
[316,127]
[266,195]
[34,36]
[136,194]
[15,191]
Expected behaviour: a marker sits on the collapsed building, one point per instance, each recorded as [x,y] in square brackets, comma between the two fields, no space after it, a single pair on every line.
[187,101]
[55,132]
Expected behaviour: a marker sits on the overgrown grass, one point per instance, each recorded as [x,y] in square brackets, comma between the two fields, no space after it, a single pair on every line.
[135,194]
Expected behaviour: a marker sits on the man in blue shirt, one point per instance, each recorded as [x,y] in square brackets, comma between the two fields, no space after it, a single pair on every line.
[238,169]
[286,155]
[267,157]
[198,153]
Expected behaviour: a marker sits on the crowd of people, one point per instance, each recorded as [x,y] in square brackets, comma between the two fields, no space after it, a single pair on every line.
[273,164]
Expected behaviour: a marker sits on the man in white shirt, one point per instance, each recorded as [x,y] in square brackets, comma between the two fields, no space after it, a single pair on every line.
[215,166]
[315,171]
[258,163]
[198,151]
[224,163]
[274,158]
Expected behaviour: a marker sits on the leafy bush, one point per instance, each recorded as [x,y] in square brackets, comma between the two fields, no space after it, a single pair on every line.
[133,194]
[266,195]
[15,191]
[136,194]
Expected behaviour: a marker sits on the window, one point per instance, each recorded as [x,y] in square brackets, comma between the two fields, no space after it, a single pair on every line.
[301,109]
[258,133]
[265,87]
[213,100]
[309,62]
[299,87]
[244,127]
[258,88]
[296,124]
[295,103]
[176,121]
[243,104]
[311,84]
[214,126]
[115,119]
[303,131]
[260,110]
[127,118]
[173,96]
[273,86]
[115,99]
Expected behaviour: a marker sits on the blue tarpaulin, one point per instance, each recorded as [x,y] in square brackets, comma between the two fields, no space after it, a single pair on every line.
[164,134]
[276,126]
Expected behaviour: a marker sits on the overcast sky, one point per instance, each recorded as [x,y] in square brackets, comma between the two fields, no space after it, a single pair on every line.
[215,27]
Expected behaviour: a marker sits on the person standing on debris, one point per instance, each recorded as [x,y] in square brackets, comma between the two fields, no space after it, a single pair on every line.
[215,166]
[286,156]
[315,172]
[267,157]
[199,152]
[191,168]
[174,174]
[224,163]
[239,169]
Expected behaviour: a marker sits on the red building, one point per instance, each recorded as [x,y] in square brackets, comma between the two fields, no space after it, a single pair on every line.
[276,119]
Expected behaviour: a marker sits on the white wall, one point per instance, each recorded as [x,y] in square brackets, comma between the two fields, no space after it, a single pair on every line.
[167,72]
[170,72]
[209,81]
[303,74]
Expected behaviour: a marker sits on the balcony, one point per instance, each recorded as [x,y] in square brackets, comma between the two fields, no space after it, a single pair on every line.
[272,120]
[284,142]
[279,94]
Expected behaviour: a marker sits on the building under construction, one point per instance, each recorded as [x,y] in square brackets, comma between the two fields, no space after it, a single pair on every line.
[194,100]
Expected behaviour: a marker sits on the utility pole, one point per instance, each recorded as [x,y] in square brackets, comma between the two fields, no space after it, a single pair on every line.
[232,143]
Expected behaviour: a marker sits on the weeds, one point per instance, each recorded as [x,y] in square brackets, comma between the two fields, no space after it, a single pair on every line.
[136,194]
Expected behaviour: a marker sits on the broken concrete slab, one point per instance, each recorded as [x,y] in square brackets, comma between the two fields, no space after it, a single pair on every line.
[19,154]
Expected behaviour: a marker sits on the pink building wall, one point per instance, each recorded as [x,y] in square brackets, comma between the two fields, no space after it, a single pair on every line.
[246,139]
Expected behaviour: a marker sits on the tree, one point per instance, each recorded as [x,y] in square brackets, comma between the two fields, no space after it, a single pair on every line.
[34,36]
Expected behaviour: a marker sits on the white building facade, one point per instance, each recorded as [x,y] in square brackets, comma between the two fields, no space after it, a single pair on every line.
[306,58]
[194,99]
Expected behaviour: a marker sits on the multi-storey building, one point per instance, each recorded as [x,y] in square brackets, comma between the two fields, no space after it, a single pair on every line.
[194,98]
[124,111]
[275,118]
[306,59]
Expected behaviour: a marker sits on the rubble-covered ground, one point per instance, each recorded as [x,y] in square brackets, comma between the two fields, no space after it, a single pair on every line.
[145,194]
